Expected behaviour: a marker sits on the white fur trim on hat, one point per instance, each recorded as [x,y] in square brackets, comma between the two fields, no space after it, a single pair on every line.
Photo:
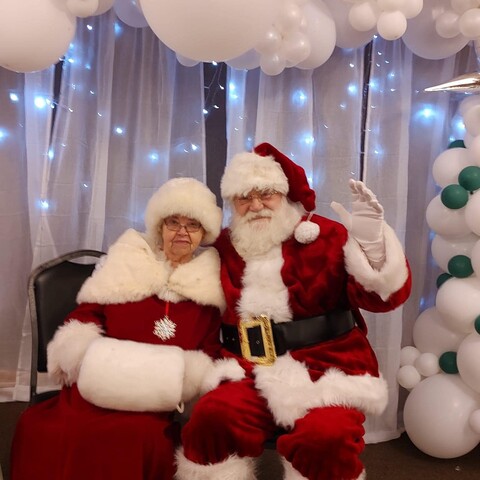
[247,171]
[232,468]
[188,197]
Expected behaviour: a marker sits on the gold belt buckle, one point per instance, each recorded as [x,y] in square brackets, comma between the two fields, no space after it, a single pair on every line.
[263,322]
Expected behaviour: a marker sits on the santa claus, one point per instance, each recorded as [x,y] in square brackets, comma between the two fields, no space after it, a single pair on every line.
[294,283]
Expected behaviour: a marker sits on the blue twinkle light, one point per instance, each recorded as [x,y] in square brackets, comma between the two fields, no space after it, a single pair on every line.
[299,98]
[3,135]
[153,156]
[44,205]
[352,89]
[40,102]
[119,130]
[14,97]
[51,154]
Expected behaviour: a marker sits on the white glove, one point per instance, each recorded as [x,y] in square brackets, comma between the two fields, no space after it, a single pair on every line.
[365,223]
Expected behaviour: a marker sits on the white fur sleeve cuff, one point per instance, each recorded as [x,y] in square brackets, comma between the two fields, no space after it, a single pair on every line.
[392,275]
[222,370]
[66,350]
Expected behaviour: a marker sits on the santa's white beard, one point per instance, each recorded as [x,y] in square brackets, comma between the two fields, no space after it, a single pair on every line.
[256,237]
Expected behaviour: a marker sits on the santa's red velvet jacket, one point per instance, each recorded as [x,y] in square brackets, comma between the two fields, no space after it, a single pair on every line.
[295,281]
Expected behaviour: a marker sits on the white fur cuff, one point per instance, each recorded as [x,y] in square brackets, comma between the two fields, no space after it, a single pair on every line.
[222,369]
[66,350]
[132,376]
[232,468]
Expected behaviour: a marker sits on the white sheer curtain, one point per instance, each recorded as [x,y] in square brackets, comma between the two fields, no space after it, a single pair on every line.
[318,117]
[128,117]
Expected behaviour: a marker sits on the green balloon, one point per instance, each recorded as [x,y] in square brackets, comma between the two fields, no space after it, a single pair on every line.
[477,324]
[448,362]
[454,196]
[469,178]
[442,278]
[460,266]
[457,144]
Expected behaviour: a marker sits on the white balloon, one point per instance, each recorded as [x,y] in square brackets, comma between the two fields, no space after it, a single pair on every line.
[468,102]
[273,64]
[186,62]
[446,24]
[408,376]
[468,361]
[437,413]
[412,8]
[363,16]
[321,33]
[390,5]
[469,23]
[270,42]
[427,364]
[449,164]
[104,6]
[247,61]
[34,34]
[445,221]
[460,6]
[430,334]
[210,30]
[472,213]
[290,17]
[128,11]
[422,38]
[458,302]
[474,421]
[82,8]
[443,248]
[474,150]
[475,258]
[408,355]
[296,47]
[391,25]
[347,36]
[471,119]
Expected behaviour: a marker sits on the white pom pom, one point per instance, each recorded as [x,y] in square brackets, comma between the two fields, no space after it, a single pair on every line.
[307,232]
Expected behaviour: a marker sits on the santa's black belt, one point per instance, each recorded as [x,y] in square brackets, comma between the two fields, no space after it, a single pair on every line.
[260,340]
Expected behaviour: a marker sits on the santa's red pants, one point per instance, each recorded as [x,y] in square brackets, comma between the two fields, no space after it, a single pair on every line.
[233,419]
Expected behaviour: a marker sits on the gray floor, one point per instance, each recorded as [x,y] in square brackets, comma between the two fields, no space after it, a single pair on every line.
[395,460]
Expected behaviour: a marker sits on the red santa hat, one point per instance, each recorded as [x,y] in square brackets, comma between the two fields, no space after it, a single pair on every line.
[188,197]
[268,168]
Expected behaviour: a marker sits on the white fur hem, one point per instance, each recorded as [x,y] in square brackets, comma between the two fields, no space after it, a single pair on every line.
[132,376]
[292,474]
[290,393]
[67,348]
[232,468]
[393,274]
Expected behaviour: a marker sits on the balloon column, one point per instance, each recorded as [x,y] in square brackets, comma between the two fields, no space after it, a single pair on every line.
[246,34]
[442,369]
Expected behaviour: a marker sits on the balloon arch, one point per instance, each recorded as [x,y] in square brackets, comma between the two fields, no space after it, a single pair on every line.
[442,369]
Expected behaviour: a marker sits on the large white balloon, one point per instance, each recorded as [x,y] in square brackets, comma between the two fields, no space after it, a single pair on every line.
[104,6]
[347,36]
[247,61]
[449,164]
[468,361]
[129,12]
[437,416]
[83,8]
[458,302]
[475,258]
[445,221]
[430,334]
[210,30]
[443,248]
[422,38]
[472,213]
[321,32]
[34,34]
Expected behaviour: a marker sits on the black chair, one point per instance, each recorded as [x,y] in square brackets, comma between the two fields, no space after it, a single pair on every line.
[52,292]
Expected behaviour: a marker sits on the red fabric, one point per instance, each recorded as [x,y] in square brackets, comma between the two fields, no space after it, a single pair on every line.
[298,188]
[66,438]
[233,418]
[325,444]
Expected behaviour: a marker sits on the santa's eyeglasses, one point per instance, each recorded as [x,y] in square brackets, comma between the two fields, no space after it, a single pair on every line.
[261,195]
[174,225]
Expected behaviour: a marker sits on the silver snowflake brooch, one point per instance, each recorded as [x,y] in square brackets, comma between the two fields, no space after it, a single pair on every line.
[164,328]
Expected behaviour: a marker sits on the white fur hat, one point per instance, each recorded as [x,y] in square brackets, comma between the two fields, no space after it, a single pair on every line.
[188,197]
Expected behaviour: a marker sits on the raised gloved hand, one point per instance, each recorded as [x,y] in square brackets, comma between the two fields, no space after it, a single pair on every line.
[365,223]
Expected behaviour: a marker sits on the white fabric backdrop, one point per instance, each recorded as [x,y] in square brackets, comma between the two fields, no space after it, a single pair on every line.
[129,117]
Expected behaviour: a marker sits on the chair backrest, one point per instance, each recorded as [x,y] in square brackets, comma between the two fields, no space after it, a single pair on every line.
[52,291]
